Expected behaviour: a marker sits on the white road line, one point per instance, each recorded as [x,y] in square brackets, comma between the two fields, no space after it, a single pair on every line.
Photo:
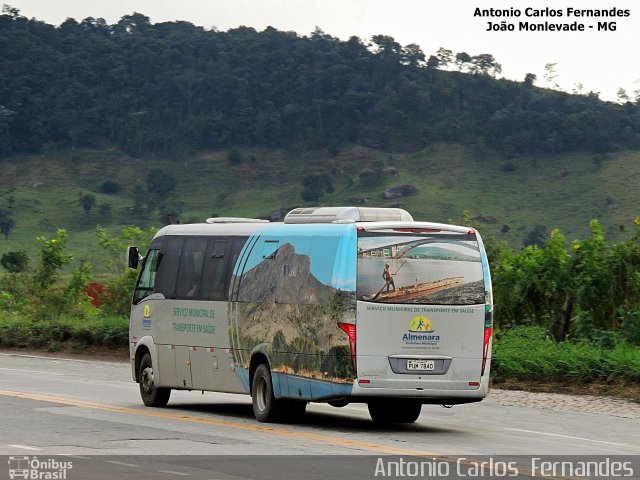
[25,447]
[569,436]
[62,359]
[171,472]
[122,463]
[32,371]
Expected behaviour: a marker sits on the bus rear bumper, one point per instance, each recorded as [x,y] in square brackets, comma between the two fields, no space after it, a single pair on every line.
[448,393]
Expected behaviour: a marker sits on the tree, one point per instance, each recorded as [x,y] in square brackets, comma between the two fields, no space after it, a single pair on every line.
[160,183]
[88,201]
[530,79]
[485,64]
[463,59]
[139,199]
[412,55]
[536,236]
[170,212]
[314,186]
[445,57]
[551,73]
[116,297]
[105,209]
[6,223]
[433,62]
[5,135]
[15,262]
[110,187]
[235,157]
[623,96]
[52,259]
[386,47]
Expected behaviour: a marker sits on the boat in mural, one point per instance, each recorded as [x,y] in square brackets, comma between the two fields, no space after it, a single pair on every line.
[418,290]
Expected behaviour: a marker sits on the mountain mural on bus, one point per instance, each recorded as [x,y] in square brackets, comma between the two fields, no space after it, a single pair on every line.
[290,289]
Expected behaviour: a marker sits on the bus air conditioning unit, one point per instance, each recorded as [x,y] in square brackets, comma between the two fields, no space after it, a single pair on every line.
[347,215]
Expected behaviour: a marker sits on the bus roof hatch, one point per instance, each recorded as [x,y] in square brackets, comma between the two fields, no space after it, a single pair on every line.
[235,220]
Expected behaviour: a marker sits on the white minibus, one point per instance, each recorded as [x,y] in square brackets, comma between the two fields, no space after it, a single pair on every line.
[334,304]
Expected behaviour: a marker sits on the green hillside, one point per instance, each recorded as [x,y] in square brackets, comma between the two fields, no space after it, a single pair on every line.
[450,179]
[247,122]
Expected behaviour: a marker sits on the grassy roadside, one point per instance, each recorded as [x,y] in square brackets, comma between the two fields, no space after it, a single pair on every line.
[64,333]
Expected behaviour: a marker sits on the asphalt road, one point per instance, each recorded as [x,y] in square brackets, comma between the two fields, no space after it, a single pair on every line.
[83,408]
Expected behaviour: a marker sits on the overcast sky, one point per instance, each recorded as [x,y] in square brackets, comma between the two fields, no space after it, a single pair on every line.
[599,60]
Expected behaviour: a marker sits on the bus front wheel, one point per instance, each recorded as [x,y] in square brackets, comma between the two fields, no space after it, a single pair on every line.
[266,407]
[152,396]
[394,410]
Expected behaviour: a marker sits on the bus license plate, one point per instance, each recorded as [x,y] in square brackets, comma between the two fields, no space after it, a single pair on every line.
[428,365]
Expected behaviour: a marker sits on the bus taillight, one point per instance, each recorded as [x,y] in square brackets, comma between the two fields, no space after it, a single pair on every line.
[350,330]
[485,348]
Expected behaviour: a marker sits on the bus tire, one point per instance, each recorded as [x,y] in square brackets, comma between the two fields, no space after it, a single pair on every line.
[152,396]
[266,407]
[394,411]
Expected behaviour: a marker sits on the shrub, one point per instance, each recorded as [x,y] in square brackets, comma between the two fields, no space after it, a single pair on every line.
[15,262]
[235,157]
[110,187]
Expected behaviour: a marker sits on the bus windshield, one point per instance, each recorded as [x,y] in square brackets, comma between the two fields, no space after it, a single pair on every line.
[424,268]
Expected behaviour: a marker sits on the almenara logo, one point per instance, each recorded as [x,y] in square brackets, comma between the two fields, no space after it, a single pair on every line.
[420,333]
[420,324]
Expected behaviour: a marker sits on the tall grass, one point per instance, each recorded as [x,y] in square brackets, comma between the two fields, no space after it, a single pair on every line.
[64,332]
[529,353]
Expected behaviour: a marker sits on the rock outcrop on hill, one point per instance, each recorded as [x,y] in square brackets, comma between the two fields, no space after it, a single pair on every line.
[399,191]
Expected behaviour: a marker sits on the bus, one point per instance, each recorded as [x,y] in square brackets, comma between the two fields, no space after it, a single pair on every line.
[333,304]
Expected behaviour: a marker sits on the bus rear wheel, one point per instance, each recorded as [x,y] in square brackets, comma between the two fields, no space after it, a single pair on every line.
[266,407]
[394,410]
[152,396]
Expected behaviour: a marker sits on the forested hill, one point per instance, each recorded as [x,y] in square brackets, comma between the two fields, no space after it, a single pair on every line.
[174,88]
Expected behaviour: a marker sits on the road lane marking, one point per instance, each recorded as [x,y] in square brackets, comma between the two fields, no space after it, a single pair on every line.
[171,472]
[569,436]
[62,359]
[273,430]
[123,464]
[25,447]
[33,371]
[327,439]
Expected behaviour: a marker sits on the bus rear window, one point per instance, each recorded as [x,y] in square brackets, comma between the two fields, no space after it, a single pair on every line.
[416,268]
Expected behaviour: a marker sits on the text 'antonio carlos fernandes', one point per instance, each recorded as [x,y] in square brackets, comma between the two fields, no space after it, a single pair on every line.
[549,467]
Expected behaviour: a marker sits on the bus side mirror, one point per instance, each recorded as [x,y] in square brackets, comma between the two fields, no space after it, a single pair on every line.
[133,257]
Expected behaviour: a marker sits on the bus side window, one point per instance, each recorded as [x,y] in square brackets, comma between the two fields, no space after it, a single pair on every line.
[171,251]
[216,264]
[190,271]
[146,282]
